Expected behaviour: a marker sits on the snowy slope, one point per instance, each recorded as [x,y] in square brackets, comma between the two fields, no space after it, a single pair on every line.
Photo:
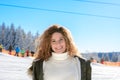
[102,72]
[15,68]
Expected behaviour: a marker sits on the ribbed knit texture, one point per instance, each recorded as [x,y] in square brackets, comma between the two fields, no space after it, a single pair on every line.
[61,67]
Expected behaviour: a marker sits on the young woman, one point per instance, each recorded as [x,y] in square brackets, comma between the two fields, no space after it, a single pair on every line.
[58,58]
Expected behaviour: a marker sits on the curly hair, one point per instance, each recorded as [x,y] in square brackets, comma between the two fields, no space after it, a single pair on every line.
[43,48]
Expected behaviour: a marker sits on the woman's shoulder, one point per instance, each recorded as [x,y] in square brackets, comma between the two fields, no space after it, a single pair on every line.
[37,62]
[82,59]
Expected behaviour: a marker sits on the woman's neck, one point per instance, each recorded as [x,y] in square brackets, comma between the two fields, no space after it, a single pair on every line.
[60,56]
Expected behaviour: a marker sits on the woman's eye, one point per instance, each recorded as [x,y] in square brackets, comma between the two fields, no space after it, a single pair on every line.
[53,41]
[61,39]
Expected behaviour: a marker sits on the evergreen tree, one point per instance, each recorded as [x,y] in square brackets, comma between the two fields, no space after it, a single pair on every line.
[16,37]
[115,57]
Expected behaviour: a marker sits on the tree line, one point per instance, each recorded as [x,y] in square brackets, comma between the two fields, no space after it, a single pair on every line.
[106,56]
[9,35]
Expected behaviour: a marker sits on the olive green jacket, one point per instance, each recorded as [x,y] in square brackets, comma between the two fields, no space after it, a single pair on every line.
[37,69]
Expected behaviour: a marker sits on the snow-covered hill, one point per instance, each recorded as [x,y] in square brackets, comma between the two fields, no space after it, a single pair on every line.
[102,72]
[15,68]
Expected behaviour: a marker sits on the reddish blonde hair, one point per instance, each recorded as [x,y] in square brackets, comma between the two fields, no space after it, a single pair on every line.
[44,50]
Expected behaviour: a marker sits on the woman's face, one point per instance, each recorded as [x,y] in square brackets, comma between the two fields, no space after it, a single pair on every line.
[58,44]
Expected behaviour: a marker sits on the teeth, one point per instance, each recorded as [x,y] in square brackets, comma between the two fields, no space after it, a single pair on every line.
[59,48]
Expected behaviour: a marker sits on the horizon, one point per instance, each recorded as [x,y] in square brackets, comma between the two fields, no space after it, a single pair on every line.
[16,68]
[94,24]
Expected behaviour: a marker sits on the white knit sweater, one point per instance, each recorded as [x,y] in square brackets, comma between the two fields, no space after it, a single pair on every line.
[61,67]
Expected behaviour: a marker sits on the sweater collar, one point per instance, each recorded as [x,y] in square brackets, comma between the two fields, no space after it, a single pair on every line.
[60,56]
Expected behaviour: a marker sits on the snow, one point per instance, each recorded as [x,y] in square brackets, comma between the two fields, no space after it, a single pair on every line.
[102,72]
[15,68]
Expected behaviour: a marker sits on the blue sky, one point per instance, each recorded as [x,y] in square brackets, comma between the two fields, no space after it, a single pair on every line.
[94,24]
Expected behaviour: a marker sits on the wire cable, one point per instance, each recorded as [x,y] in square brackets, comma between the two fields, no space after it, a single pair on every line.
[60,11]
[98,2]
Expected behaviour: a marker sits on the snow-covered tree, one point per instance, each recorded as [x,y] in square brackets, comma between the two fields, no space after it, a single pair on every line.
[17,37]
[114,57]
[11,36]
[2,32]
